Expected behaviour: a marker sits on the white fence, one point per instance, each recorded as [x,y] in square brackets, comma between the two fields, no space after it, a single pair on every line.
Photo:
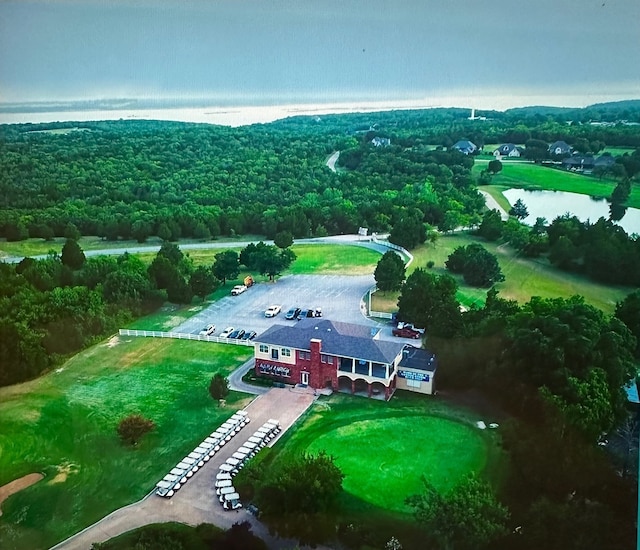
[183,336]
[407,254]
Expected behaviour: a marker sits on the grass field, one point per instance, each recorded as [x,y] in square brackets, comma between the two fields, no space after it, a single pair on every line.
[63,425]
[533,177]
[36,247]
[524,277]
[384,448]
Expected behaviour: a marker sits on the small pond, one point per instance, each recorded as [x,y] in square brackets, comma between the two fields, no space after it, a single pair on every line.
[551,204]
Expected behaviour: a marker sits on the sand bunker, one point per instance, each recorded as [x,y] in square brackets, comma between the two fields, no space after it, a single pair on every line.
[17,485]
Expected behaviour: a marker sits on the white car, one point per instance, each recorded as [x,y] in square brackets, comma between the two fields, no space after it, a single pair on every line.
[225,333]
[272,311]
[208,330]
[238,289]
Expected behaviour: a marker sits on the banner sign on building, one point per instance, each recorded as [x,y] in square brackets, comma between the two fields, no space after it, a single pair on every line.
[411,375]
[274,370]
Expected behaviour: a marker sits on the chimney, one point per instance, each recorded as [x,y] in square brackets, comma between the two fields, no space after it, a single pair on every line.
[316,346]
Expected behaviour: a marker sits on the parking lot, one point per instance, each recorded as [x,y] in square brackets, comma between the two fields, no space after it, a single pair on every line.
[339,297]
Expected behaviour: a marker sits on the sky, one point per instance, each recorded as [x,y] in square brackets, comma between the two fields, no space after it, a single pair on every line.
[245,52]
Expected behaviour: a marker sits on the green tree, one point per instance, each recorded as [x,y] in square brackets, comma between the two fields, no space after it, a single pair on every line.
[390,271]
[429,301]
[478,266]
[408,230]
[491,225]
[519,210]
[203,282]
[284,239]
[628,311]
[271,261]
[494,166]
[71,232]
[468,517]
[72,255]
[218,387]
[226,265]
[132,428]
[302,484]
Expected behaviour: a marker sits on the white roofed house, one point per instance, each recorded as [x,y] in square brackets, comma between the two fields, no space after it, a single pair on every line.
[346,357]
[510,150]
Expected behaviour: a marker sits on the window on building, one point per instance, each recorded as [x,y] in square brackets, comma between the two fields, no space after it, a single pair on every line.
[274,353]
[413,383]
[326,358]
[286,352]
[304,355]
[264,348]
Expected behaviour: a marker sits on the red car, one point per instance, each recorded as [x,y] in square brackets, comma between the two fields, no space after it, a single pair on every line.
[406,332]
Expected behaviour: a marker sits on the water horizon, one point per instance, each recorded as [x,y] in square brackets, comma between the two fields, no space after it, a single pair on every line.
[239,112]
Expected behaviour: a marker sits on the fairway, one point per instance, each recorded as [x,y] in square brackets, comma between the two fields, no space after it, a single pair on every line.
[383,459]
[524,277]
[527,175]
[63,425]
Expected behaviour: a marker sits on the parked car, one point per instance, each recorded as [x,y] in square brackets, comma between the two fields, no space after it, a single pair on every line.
[404,330]
[292,313]
[238,333]
[225,333]
[304,313]
[238,289]
[272,311]
[208,330]
[249,335]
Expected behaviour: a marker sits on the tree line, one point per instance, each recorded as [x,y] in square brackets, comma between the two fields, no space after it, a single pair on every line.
[56,306]
[558,367]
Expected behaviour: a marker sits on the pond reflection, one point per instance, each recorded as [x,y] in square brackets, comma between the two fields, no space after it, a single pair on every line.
[551,204]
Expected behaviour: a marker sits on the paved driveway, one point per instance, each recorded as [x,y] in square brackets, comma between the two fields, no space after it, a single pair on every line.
[196,502]
[340,298]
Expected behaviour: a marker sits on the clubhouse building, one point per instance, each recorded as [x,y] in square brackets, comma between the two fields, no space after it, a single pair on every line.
[345,357]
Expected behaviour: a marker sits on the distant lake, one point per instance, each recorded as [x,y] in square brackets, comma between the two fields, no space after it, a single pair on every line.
[551,204]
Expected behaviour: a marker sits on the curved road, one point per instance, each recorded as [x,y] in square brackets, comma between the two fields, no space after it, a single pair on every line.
[337,239]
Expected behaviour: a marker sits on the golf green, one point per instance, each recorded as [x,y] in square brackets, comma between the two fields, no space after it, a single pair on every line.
[383,459]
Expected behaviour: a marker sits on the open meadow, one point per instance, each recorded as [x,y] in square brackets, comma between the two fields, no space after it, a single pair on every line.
[63,425]
[524,277]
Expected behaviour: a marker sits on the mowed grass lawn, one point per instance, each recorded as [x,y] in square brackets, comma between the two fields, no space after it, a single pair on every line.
[64,426]
[533,177]
[384,448]
[524,277]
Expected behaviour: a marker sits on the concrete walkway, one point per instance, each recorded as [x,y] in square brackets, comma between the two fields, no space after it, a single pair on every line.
[236,383]
[492,204]
[196,502]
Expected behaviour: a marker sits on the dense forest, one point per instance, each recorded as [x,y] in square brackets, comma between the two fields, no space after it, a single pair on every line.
[134,179]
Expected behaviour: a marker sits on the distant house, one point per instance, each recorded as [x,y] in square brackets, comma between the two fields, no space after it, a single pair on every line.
[579,163]
[507,150]
[560,148]
[345,357]
[465,147]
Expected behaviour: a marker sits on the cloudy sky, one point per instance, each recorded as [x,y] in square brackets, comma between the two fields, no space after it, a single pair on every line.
[572,52]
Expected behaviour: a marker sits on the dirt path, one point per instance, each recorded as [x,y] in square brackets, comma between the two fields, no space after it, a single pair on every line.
[17,485]
[492,204]
[196,502]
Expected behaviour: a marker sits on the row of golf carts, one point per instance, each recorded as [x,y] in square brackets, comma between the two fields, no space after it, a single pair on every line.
[225,490]
[195,460]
